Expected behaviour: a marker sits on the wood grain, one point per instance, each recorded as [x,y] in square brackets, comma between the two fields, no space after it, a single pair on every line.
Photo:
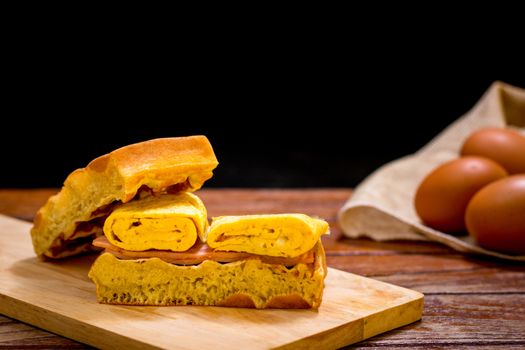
[463,320]
[471,302]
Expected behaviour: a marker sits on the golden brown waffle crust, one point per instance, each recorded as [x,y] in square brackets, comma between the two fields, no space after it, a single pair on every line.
[244,283]
[183,162]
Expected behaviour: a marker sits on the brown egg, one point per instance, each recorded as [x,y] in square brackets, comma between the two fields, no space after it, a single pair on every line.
[495,216]
[443,196]
[504,146]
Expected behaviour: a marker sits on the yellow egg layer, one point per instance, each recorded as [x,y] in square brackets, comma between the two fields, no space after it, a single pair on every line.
[283,235]
[168,222]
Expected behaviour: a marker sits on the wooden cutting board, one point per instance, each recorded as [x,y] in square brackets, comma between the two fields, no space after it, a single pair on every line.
[59,297]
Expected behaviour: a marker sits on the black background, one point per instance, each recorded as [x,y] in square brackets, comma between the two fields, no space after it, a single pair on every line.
[275,123]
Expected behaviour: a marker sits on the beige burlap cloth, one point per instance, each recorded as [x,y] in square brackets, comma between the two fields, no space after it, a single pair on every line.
[382,206]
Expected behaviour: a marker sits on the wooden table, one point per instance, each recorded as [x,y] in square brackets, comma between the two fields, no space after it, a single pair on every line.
[469,301]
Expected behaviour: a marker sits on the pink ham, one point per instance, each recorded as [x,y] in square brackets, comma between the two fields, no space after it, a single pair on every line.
[197,254]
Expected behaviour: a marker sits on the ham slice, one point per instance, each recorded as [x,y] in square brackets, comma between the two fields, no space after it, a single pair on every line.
[198,253]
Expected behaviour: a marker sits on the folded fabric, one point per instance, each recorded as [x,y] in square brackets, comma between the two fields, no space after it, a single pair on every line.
[285,235]
[382,206]
[167,222]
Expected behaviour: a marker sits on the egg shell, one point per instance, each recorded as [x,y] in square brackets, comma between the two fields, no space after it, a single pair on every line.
[443,196]
[504,146]
[495,216]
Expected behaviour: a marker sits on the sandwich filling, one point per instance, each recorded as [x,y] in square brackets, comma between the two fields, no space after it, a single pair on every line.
[279,235]
[167,227]
[167,222]
[197,254]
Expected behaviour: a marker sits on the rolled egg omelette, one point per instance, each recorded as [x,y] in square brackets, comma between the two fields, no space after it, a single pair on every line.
[160,250]
[169,222]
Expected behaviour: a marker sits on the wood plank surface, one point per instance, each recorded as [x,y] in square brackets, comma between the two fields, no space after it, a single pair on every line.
[471,301]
